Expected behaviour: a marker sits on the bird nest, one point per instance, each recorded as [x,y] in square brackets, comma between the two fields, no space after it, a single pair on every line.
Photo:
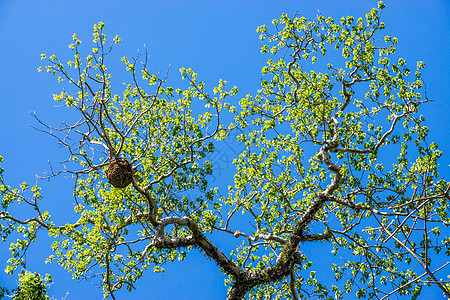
[119,172]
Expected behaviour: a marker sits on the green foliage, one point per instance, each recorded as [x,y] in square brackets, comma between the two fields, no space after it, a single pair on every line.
[31,287]
[3,292]
[334,150]
[161,132]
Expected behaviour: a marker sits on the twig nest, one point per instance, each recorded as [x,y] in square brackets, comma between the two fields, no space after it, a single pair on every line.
[119,173]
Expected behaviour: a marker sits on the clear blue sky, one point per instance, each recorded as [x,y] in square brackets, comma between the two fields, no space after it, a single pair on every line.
[217,39]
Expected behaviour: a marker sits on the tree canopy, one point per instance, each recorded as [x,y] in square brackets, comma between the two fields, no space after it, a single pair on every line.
[31,287]
[335,152]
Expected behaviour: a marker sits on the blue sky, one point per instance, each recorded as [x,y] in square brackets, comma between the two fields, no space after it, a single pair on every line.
[217,39]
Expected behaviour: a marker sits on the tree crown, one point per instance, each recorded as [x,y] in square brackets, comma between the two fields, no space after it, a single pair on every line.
[334,150]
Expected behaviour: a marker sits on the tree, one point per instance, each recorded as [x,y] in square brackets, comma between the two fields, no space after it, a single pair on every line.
[31,287]
[318,166]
